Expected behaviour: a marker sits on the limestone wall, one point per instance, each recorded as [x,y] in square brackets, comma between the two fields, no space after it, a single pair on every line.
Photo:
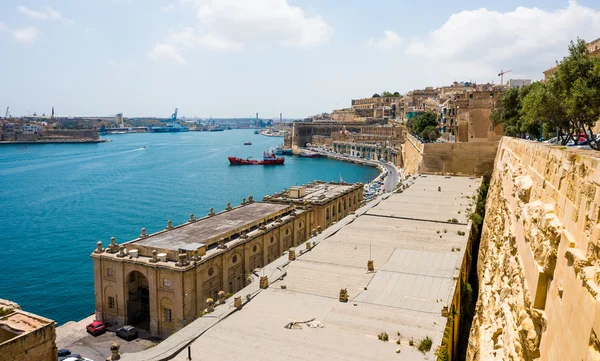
[35,345]
[467,159]
[539,258]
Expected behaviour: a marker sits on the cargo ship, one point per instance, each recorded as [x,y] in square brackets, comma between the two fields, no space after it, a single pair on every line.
[170,128]
[269,158]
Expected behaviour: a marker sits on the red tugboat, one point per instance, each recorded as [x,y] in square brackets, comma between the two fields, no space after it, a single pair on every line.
[269,158]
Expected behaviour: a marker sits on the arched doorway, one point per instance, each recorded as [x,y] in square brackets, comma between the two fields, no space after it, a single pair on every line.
[138,300]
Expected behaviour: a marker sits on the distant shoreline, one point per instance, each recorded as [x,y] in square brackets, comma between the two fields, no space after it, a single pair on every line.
[69,141]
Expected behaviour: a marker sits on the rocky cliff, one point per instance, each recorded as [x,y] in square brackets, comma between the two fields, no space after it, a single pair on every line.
[539,257]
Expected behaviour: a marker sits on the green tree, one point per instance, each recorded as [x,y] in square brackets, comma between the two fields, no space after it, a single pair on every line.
[390,94]
[507,112]
[576,84]
[421,122]
[430,133]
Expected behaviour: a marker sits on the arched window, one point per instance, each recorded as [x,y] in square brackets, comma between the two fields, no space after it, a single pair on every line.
[333,210]
[327,214]
[339,207]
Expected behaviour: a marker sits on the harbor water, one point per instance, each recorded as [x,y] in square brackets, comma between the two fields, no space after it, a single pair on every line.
[58,200]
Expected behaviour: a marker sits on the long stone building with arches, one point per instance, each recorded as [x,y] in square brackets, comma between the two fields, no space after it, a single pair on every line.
[160,282]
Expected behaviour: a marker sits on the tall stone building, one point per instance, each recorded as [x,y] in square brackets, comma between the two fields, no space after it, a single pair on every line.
[467,116]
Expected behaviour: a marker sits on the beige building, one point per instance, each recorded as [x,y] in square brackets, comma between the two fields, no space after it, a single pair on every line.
[467,117]
[160,282]
[25,336]
[329,202]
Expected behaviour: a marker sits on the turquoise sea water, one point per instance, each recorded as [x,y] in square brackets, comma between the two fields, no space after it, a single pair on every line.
[58,200]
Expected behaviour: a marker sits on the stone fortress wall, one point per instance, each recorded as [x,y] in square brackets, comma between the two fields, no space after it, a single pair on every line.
[539,258]
[463,159]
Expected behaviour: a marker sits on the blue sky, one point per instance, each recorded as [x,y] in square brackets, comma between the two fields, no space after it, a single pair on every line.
[233,58]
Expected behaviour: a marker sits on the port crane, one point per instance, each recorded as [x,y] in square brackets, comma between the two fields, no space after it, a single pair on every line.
[174,115]
[501,75]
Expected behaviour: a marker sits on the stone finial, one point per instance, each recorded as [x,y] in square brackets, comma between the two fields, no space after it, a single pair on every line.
[228,206]
[250,199]
[370,265]
[222,244]
[313,232]
[98,247]
[210,305]
[192,218]
[114,349]
[262,227]
[244,201]
[195,257]
[143,234]
[182,259]
[292,254]
[212,212]
[244,235]
[121,251]
[308,246]
[112,248]
[319,229]
[221,296]
[154,256]
[263,282]
[169,224]
[237,302]
[344,295]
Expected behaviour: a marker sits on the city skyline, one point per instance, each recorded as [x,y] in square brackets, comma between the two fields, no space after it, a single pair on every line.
[232,59]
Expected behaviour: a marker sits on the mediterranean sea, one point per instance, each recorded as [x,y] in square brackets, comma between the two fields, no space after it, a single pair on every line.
[58,200]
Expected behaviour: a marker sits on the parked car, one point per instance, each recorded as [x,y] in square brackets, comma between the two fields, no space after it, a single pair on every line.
[127,332]
[63,352]
[96,328]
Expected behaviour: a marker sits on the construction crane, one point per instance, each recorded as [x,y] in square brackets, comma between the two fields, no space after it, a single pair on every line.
[174,115]
[501,75]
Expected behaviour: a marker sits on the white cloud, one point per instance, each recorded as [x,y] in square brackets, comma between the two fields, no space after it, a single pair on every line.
[168,52]
[47,14]
[390,40]
[481,42]
[26,35]
[233,25]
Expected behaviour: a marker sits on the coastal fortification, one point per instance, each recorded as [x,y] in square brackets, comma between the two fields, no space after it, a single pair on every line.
[539,257]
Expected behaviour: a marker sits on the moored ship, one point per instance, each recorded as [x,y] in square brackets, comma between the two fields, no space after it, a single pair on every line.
[284,151]
[169,128]
[269,158]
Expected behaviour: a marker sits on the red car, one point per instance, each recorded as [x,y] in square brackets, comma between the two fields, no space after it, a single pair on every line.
[96,328]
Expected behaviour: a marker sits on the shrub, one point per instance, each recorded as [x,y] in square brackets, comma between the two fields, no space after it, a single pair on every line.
[425,344]
[411,342]
[383,336]
[441,353]
[460,233]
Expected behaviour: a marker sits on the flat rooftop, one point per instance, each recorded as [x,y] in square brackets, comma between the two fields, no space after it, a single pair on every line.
[417,256]
[316,192]
[208,228]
